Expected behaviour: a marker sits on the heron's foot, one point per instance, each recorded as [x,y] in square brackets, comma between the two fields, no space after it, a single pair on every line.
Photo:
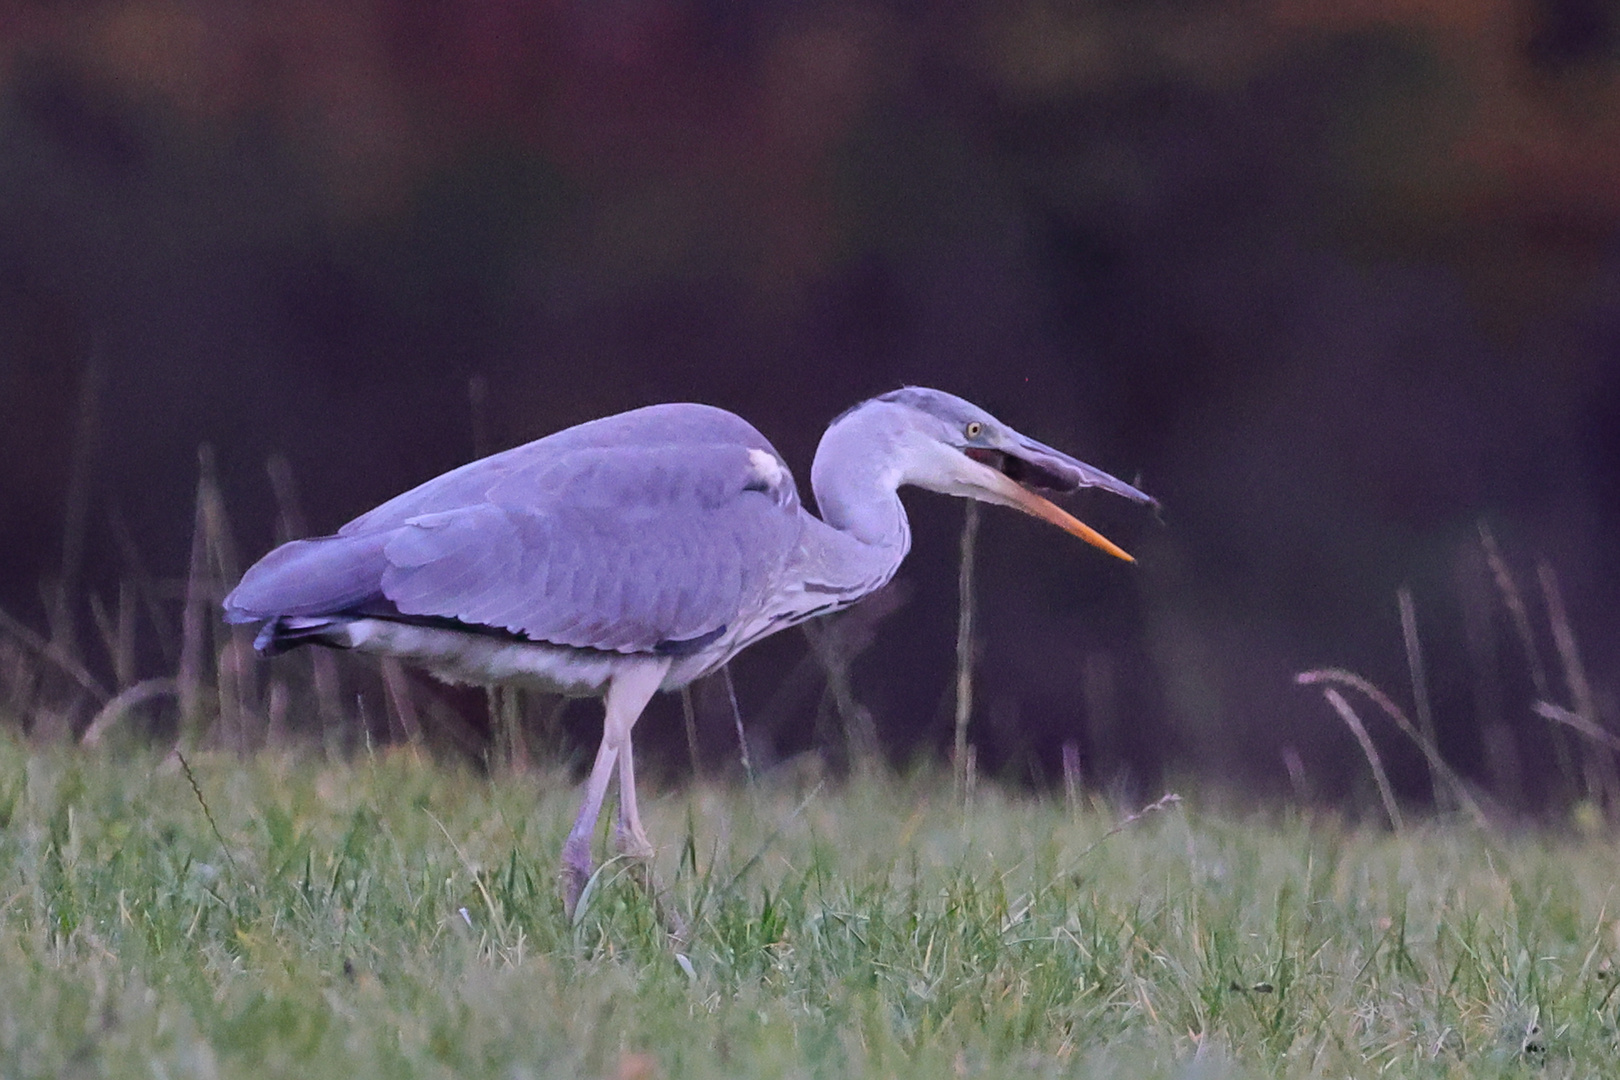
[577,869]
[634,845]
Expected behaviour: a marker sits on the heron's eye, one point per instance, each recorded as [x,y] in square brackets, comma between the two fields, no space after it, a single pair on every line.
[973,429]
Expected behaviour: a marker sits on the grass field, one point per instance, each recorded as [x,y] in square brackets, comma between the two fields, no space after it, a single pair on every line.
[392,918]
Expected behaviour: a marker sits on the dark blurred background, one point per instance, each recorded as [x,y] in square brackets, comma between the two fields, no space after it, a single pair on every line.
[1339,282]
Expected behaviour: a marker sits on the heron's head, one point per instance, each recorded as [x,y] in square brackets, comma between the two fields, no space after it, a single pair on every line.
[952,446]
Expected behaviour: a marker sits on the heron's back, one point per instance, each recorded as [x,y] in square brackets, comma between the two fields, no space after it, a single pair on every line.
[651,531]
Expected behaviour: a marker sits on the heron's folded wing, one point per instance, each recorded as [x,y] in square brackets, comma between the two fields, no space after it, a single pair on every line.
[608,547]
[670,425]
[322,576]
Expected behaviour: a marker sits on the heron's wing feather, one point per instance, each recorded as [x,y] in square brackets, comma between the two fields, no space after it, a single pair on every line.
[310,577]
[628,548]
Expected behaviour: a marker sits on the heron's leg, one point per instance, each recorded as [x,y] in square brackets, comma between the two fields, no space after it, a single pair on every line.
[633,843]
[631,687]
[576,852]
[631,838]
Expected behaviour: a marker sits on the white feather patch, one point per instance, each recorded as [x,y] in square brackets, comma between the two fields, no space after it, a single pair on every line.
[765,466]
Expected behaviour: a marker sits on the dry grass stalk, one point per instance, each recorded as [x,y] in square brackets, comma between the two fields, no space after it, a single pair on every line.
[1071,776]
[223,563]
[196,789]
[831,642]
[397,691]
[289,513]
[323,671]
[513,736]
[106,632]
[123,659]
[736,718]
[126,701]
[1353,722]
[1513,600]
[145,587]
[442,727]
[834,644]
[233,676]
[1600,772]
[19,672]
[494,749]
[1502,759]
[1295,767]
[1169,800]
[689,715]
[55,654]
[964,643]
[213,567]
[291,525]
[1576,722]
[117,634]
[1519,615]
[513,715]
[548,733]
[195,621]
[275,714]
[1420,684]
[1437,765]
[62,610]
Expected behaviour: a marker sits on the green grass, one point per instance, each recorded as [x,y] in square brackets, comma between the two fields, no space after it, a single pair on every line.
[879,929]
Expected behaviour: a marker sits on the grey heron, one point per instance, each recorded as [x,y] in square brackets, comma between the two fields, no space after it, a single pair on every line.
[638,552]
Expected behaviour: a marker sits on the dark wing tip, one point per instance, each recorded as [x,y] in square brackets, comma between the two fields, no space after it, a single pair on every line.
[282,634]
[688,646]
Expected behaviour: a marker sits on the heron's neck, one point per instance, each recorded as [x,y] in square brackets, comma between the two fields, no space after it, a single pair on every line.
[856,477]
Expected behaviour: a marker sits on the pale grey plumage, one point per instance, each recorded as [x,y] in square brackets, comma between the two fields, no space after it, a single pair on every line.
[635,533]
[639,551]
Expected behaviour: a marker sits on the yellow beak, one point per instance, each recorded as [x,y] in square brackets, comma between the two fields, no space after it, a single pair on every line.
[1009,493]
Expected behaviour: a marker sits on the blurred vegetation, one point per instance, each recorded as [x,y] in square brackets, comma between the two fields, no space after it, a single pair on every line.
[1339,280]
